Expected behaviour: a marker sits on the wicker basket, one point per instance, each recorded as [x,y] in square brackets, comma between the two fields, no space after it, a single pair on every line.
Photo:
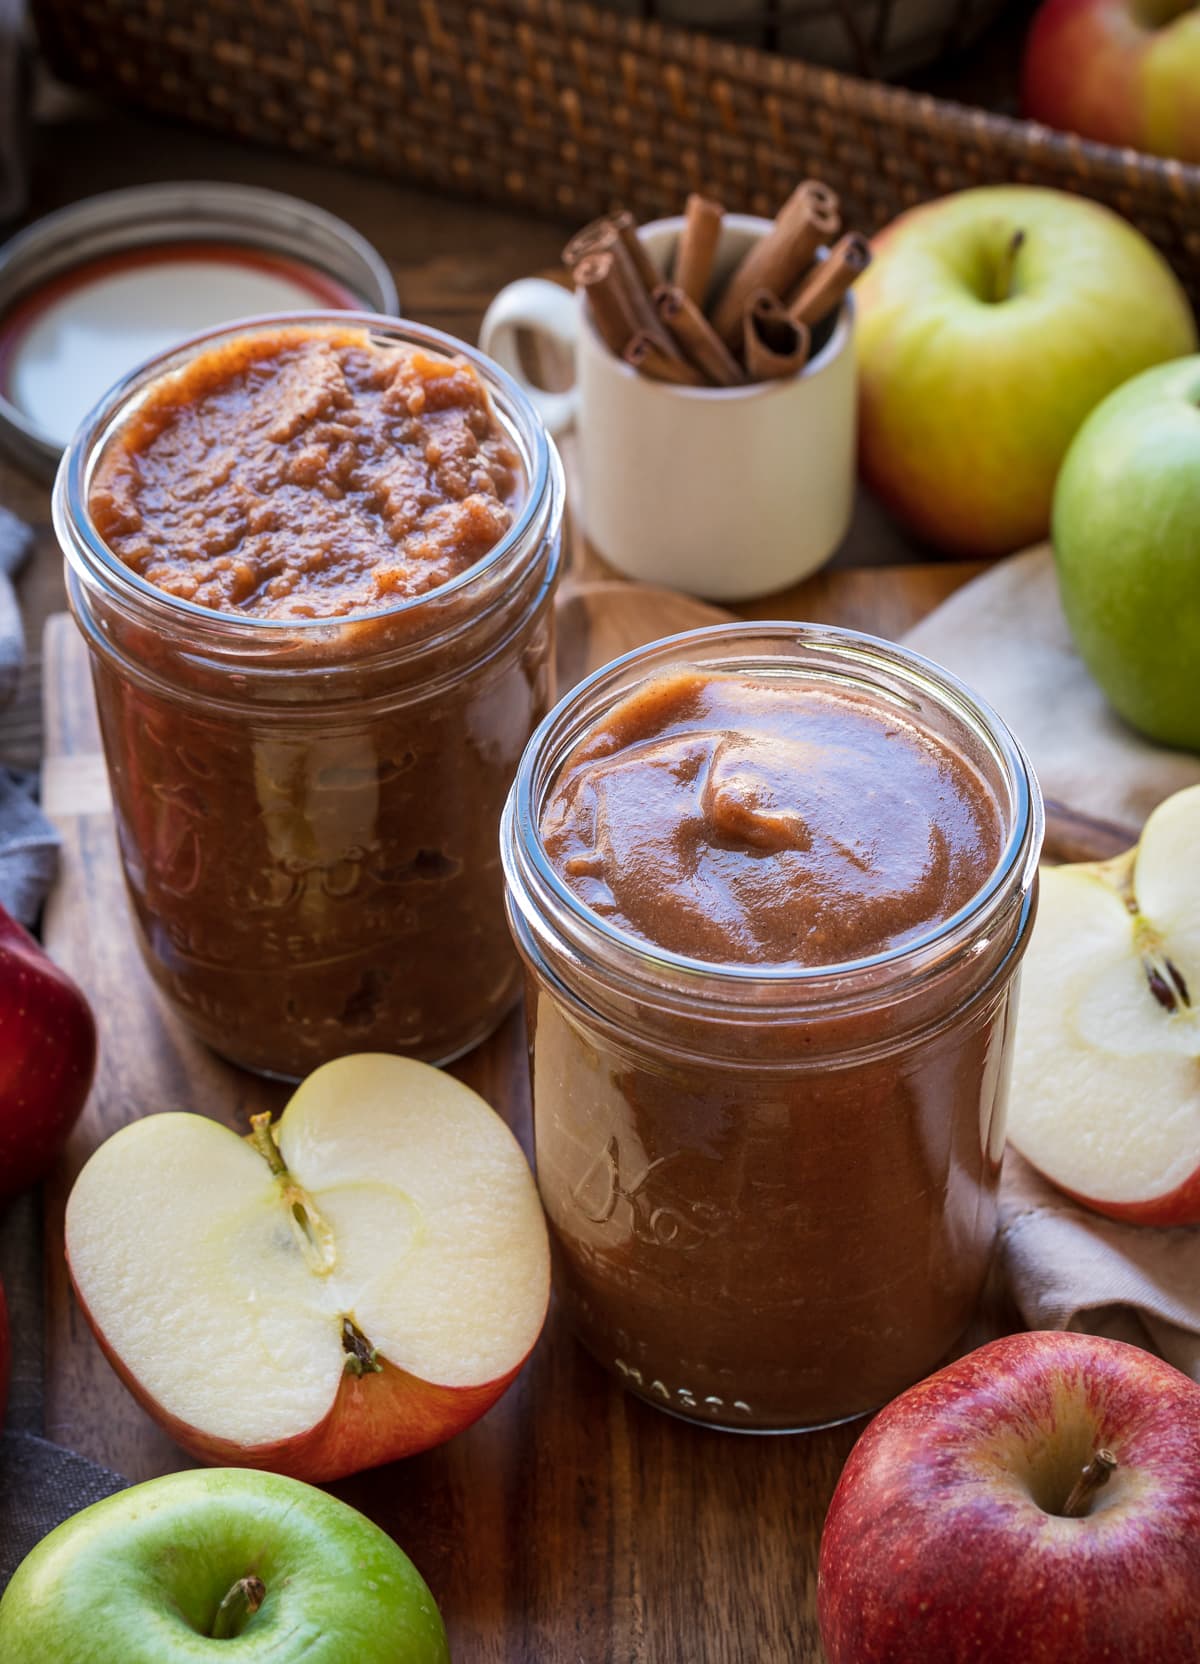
[568,109]
[869,37]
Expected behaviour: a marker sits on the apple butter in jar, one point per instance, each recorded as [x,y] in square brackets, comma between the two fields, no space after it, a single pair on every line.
[314,561]
[772,885]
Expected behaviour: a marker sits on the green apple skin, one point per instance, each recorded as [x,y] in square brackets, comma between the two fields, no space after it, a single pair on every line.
[137,1579]
[1127,548]
[968,403]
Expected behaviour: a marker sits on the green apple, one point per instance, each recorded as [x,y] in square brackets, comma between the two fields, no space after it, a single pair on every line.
[1127,546]
[219,1566]
[991,323]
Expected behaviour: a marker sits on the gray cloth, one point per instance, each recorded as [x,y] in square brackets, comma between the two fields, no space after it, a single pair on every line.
[16,544]
[41,1485]
[28,843]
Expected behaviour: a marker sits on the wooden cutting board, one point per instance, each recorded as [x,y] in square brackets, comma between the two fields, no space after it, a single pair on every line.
[573,1523]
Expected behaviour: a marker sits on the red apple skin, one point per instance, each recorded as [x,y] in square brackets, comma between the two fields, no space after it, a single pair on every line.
[1180,1206]
[1098,68]
[934,1548]
[5,1355]
[47,1058]
[376,1418]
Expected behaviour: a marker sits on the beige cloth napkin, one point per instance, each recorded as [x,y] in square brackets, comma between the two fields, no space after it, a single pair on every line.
[1006,636]
[1068,1268]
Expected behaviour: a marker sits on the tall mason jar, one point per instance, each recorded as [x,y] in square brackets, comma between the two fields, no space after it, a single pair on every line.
[307,809]
[772,1190]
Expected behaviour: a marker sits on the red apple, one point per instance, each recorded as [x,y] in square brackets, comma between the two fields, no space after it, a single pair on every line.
[47,1058]
[1038,1501]
[1126,72]
[5,1355]
[356,1283]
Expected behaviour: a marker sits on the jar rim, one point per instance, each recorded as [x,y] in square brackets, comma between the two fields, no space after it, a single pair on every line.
[87,551]
[532,877]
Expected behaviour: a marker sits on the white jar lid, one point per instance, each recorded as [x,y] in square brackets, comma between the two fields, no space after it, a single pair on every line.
[89,292]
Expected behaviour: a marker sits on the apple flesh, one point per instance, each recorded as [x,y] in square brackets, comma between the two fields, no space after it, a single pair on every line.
[355,1284]
[1038,1500]
[47,1058]
[990,323]
[185,1569]
[1105,1098]
[1127,549]
[1124,72]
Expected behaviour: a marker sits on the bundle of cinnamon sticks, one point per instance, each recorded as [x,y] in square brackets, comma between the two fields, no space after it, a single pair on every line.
[758,325]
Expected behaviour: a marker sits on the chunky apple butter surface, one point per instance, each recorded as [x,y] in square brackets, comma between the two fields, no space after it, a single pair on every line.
[308,787]
[770,1217]
[307,475]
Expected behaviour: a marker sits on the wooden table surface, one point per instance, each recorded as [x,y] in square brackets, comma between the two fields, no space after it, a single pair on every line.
[573,1523]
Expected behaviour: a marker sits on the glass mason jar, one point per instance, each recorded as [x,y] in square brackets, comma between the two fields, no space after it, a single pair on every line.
[771,1190]
[307,809]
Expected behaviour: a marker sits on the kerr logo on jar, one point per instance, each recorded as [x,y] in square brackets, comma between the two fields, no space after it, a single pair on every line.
[610,1189]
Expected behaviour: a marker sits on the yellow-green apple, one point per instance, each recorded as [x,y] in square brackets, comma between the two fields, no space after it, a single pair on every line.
[47,1058]
[1126,72]
[355,1283]
[990,323]
[1105,1097]
[1127,549]
[219,1564]
[1037,1502]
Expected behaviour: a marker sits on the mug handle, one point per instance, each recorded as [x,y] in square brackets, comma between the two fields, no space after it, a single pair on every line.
[546,309]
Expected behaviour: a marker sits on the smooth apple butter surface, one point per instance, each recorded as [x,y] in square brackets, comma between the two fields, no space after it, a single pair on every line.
[764,1215]
[308,771]
[307,475]
[755,822]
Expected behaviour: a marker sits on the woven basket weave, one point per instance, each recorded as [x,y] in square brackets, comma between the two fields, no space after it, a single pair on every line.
[568,109]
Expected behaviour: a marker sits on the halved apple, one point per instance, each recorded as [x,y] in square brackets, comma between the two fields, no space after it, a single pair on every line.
[1106,1084]
[355,1283]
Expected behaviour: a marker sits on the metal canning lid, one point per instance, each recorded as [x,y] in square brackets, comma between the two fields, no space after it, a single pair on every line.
[90,291]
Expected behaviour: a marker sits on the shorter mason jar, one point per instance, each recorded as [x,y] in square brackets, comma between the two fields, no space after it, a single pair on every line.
[772,1189]
[307,808]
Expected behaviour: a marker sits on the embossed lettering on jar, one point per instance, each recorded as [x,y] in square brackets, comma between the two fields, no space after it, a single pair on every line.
[771,885]
[314,561]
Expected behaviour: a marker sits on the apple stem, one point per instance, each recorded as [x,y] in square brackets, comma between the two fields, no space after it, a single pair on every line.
[238,1607]
[1096,1474]
[263,1140]
[1007,267]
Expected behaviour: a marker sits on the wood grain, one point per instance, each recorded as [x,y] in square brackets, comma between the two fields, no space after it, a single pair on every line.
[573,1522]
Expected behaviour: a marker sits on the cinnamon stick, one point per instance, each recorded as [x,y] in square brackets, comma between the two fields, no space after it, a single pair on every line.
[774,346]
[647,272]
[696,338]
[698,247]
[603,282]
[644,355]
[778,260]
[594,238]
[823,289]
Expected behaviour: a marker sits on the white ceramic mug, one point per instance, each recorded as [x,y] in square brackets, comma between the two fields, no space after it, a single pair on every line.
[725,492]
